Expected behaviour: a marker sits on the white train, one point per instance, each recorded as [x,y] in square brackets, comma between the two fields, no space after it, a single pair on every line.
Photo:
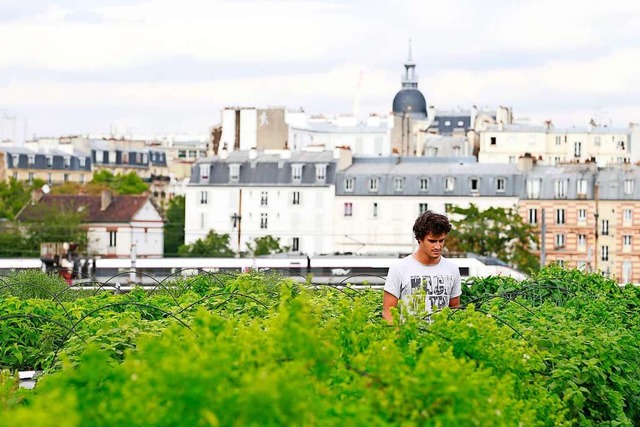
[337,269]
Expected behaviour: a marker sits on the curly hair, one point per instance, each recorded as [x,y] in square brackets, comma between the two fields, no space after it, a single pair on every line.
[431,223]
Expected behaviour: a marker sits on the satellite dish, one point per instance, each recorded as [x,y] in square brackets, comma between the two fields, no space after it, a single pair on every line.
[46,189]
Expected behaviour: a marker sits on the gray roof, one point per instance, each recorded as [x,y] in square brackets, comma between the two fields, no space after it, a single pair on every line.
[325,127]
[266,169]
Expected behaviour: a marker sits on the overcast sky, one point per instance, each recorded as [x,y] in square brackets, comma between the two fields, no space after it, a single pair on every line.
[160,66]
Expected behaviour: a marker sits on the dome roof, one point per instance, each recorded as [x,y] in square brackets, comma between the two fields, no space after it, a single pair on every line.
[410,101]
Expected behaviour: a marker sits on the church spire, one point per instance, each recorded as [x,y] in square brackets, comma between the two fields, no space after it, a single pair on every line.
[410,79]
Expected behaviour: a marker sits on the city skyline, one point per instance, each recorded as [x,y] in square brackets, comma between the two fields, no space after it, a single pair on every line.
[150,67]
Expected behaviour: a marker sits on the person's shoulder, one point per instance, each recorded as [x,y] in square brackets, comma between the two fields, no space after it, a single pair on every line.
[402,261]
[447,262]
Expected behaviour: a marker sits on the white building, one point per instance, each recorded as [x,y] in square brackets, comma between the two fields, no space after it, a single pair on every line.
[251,194]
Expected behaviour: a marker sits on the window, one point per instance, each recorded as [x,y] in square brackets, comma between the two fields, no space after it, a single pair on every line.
[628,186]
[204,172]
[49,161]
[620,145]
[113,235]
[65,177]
[424,184]
[321,172]
[125,157]
[296,198]
[296,172]
[558,140]
[512,159]
[561,189]
[556,160]
[626,272]
[533,188]
[500,185]
[263,220]
[605,227]
[581,265]
[604,253]
[348,185]
[448,207]
[234,172]
[295,244]
[582,240]
[533,216]
[596,141]
[82,161]
[15,158]
[423,207]
[112,157]
[398,183]
[627,216]
[577,149]
[493,140]
[204,197]
[145,158]
[264,198]
[373,184]
[449,183]
[66,162]
[559,240]
[626,243]
[30,178]
[375,210]
[182,154]
[582,215]
[348,209]
[582,187]
[192,154]
[32,159]
[559,216]
[474,185]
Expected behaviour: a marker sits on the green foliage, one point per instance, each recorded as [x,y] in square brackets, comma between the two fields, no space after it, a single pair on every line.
[266,245]
[56,224]
[129,183]
[13,242]
[213,245]
[497,232]
[29,284]
[14,195]
[174,226]
[560,348]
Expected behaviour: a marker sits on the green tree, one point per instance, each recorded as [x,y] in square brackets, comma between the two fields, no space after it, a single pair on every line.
[213,245]
[266,245]
[56,224]
[174,226]
[497,232]
[12,242]
[130,183]
[14,195]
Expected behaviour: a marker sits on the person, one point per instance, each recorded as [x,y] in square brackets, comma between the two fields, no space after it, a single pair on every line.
[425,272]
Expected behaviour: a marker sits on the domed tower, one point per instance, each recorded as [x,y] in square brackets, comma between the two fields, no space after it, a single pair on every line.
[409,100]
[409,114]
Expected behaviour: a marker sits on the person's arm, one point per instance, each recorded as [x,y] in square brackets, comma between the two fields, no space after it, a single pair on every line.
[388,303]
[454,302]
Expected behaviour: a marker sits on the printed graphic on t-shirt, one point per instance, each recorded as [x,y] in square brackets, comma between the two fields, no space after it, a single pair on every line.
[436,290]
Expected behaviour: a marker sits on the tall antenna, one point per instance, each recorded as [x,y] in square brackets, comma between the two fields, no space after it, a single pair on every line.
[356,100]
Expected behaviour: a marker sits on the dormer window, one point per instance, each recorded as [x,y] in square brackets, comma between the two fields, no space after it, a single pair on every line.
[112,157]
[474,185]
[49,161]
[449,183]
[144,159]
[373,184]
[15,160]
[349,183]
[66,162]
[204,172]
[296,172]
[398,184]
[424,184]
[321,172]
[234,172]
[561,189]
[582,187]
[533,188]
[83,161]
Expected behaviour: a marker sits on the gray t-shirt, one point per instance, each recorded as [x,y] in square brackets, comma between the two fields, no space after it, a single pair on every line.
[439,283]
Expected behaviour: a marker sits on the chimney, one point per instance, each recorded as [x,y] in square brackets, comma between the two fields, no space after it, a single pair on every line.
[36,196]
[526,162]
[344,156]
[253,153]
[105,199]
[224,153]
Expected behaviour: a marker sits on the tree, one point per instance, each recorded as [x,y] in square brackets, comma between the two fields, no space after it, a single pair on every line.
[130,183]
[266,245]
[174,226]
[213,245]
[56,224]
[497,232]
[14,195]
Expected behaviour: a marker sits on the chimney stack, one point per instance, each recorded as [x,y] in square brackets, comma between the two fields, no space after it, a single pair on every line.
[105,199]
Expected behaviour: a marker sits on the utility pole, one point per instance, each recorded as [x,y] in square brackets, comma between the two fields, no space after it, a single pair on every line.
[596,215]
[543,234]
[237,221]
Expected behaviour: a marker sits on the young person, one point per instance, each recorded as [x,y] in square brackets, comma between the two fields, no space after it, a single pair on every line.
[434,279]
